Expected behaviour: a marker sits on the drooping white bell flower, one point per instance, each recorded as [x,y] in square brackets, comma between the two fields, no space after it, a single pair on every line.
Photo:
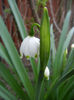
[47,73]
[72,46]
[30,47]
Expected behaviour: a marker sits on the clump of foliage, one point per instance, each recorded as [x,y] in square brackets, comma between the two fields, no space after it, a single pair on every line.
[60,85]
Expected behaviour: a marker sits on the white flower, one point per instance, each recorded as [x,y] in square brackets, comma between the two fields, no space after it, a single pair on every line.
[72,46]
[47,73]
[30,47]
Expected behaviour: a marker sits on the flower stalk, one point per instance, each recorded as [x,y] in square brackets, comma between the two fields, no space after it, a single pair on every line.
[44,49]
[32,29]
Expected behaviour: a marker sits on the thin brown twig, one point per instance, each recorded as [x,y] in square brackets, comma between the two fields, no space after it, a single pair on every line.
[26,9]
[51,8]
[34,12]
[61,2]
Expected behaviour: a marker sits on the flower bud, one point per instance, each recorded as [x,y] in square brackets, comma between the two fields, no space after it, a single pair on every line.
[44,39]
[47,73]
[72,46]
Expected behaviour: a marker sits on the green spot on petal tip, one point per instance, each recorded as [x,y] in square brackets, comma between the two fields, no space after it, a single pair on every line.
[27,57]
[36,56]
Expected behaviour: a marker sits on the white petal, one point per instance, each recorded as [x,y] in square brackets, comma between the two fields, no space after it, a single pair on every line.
[30,46]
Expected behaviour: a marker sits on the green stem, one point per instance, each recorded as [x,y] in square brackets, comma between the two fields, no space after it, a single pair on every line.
[32,31]
[39,83]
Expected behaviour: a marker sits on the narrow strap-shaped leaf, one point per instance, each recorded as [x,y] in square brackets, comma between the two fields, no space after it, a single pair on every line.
[52,43]
[16,59]
[2,84]
[6,95]
[65,77]
[4,54]
[38,66]
[70,62]
[66,92]
[18,18]
[34,67]
[49,91]
[66,44]
[4,72]
[70,95]
[61,43]
[57,82]
[42,90]
[65,87]
[67,41]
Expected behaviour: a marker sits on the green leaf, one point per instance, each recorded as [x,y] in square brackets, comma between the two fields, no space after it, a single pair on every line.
[44,39]
[49,91]
[38,66]
[42,90]
[18,18]
[52,43]
[67,42]
[16,59]
[70,62]
[2,84]
[6,95]
[66,88]
[69,4]
[65,46]
[4,72]
[64,60]
[61,43]
[70,95]
[65,77]
[68,39]
[56,83]
[34,67]
[4,54]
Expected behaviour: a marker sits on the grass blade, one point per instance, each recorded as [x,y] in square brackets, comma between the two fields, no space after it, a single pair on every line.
[38,66]
[2,84]
[5,94]
[7,76]
[16,59]
[70,96]
[67,41]
[34,67]
[52,43]
[4,54]
[66,44]
[18,18]
[70,62]
[67,88]
[57,83]
[65,77]
[60,47]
